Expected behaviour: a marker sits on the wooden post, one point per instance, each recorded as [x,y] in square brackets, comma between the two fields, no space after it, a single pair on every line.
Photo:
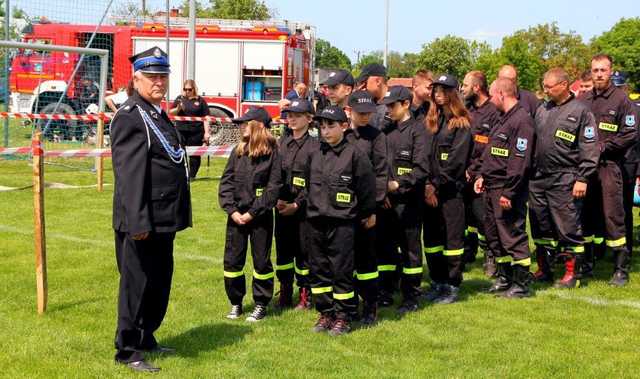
[99,160]
[38,221]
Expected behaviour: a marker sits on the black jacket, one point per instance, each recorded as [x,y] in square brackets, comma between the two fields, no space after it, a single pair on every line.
[483,119]
[373,143]
[250,184]
[449,152]
[566,137]
[407,158]
[342,183]
[506,161]
[151,191]
[295,166]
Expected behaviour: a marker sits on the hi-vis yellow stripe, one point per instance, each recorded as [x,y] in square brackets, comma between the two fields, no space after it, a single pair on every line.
[565,135]
[299,182]
[259,192]
[343,197]
[404,170]
[499,151]
[608,127]
[444,156]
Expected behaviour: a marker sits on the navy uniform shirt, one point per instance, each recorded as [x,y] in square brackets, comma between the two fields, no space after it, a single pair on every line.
[342,183]
[191,107]
[151,190]
[506,161]
[529,101]
[566,137]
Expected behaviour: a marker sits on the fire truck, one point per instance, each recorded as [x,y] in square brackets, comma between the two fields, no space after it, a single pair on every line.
[238,64]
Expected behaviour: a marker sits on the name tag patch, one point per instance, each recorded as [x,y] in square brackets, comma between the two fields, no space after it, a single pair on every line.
[565,135]
[497,151]
[299,182]
[342,197]
[481,139]
[608,127]
[259,192]
[404,170]
[444,156]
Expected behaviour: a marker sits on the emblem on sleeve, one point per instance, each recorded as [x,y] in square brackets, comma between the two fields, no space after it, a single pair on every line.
[521,144]
[630,120]
[589,132]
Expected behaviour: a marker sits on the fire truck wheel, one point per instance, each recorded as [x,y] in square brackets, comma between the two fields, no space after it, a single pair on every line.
[64,129]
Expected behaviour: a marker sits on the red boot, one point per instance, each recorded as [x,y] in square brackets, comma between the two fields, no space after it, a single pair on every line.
[571,278]
[305,299]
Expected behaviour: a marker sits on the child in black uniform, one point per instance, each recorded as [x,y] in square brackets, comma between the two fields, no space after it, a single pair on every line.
[249,189]
[341,195]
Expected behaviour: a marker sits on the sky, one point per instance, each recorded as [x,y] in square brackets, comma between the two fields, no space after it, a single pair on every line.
[358,25]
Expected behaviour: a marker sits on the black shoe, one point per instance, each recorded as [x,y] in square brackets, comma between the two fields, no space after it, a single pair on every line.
[339,327]
[324,323]
[285,299]
[407,307]
[235,312]
[449,296]
[503,278]
[158,349]
[434,292]
[619,279]
[258,314]
[385,299]
[369,315]
[522,277]
[140,366]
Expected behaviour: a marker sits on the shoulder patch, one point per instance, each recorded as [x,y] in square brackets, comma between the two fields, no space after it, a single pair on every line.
[521,144]
[630,120]
[589,132]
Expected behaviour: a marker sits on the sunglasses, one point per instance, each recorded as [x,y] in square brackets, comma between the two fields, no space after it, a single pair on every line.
[187,89]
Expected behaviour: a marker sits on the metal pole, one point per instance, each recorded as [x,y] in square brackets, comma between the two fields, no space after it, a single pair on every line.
[191,53]
[386,32]
[168,54]
[7,19]
[104,66]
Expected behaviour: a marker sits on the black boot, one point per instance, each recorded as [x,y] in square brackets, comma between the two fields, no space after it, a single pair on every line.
[544,257]
[622,261]
[589,263]
[369,313]
[286,294]
[450,295]
[470,248]
[503,278]
[599,249]
[520,287]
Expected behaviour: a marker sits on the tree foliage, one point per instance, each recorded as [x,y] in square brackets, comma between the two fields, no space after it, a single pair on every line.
[231,9]
[622,42]
[328,56]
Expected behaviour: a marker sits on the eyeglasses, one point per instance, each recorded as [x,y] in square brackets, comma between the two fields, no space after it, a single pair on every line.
[187,89]
[548,87]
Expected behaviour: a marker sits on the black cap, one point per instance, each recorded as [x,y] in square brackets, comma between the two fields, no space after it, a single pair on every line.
[397,93]
[362,102]
[254,114]
[446,80]
[339,77]
[332,113]
[372,69]
[299,106]
[619,78]
[153,60]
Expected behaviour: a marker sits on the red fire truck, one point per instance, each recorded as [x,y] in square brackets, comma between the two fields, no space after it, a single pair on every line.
[238,63]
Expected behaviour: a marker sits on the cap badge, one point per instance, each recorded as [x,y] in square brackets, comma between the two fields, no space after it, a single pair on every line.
[157,53]
[331,75]
[442,78]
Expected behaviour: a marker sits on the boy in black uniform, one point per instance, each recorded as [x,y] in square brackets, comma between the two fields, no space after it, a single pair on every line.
[295,151]
[373,143]
[340,197]
[506,162]
[402,215]
[248,191]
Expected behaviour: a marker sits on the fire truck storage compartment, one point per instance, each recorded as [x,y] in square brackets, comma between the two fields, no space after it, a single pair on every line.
[217,67]
[262,71]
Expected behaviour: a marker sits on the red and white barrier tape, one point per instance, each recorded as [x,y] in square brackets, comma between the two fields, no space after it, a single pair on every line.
[194,151]
[108,116]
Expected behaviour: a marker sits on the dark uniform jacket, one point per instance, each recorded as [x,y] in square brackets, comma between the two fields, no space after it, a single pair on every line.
[296,166]
[191,107]
[483,118]
[151,191]
[506,161]
[250,184]
[617,122]
[420,112]
[342,183]
[378,119]
[407,158]
[373,143]
[449,153]
[529,101]
[566,137]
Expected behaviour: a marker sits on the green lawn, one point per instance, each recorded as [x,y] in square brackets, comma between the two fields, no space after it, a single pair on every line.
[593,331]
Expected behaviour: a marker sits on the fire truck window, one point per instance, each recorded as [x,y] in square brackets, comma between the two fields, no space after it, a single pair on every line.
[262,85]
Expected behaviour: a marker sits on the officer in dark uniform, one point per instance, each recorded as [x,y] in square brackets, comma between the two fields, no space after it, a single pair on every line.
[373,143]
[340,84]
[341,196]
[617,122]
[504,176]
[401,219]
[373,78]
[292,252]
[484,116]
[566,156]
[151,202]
[527,99]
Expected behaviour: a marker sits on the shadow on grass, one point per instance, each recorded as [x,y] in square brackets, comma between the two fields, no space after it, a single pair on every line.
[72,304]
[206,338]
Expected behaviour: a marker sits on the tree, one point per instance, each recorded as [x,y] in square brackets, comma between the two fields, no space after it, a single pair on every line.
[231,9]
[398,65]
[449,54]
[328,56]
[622,43]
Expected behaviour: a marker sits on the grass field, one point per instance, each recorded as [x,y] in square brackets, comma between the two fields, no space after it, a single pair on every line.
[593,331]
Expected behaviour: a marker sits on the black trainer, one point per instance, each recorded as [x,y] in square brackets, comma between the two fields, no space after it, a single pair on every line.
[449,296]
[258,314]
[434,292]
[235,312]
[369,314]
[324,323]
[407,307]
[385,299]
[339,327]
